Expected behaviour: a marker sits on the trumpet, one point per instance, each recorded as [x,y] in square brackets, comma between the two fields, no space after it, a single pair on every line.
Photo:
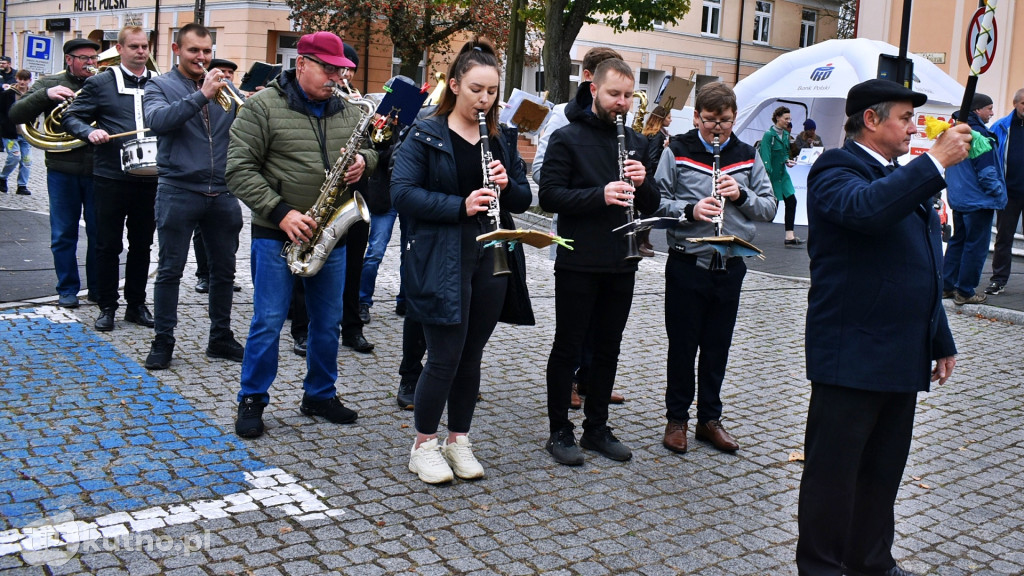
[226,96]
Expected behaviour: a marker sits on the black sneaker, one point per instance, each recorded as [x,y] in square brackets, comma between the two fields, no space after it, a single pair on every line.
[364,313]
[406,394]
[3,185]
[562,445]
[23,191]
[160,353]
[995,288]
[602,440]
[332,409]
[203,285]
[249,423]
[227,349]
[299,347]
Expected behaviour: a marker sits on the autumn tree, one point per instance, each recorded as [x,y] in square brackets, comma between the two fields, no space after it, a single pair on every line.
[412,26]
[563,19]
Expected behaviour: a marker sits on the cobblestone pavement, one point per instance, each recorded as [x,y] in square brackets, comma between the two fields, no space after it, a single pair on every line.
[106,468]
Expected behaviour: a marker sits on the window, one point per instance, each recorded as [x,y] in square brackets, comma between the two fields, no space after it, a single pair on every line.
[575,77]
[762,22]
[808,23]
[711,17]
[420,77]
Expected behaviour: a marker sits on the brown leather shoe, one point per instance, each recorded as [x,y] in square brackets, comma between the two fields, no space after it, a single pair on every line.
[712,431]
[574,401]
[616,398]
[675,436]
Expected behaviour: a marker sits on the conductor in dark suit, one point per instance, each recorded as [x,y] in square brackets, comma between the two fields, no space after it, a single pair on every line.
[876,330]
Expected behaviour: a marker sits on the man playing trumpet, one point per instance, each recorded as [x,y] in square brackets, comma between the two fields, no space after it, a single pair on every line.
[182,108]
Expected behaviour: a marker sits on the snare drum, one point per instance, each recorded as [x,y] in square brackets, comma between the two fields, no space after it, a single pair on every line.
[138,157]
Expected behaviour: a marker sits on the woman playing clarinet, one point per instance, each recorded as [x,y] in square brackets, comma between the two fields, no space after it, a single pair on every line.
[448,196]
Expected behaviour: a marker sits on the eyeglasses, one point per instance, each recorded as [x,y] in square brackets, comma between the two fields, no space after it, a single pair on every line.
[85,58]
[329,69]
[711,124]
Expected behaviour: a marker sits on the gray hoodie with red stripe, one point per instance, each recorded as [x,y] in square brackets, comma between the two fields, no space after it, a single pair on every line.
[684,178]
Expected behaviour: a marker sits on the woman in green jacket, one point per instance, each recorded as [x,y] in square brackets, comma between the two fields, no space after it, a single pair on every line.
[775,155]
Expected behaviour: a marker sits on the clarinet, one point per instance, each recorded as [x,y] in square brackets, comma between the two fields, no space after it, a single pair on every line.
[717,262]
[632,249]
[493,207]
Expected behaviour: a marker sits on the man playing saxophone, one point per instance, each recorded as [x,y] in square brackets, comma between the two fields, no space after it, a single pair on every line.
[284,139]
[181,108]
[68,173]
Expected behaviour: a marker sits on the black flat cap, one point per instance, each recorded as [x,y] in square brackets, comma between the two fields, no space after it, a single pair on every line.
[874,91]
[76,43]
[223,63]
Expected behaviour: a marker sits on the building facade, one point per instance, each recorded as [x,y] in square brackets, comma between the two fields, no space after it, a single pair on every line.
[938,32]
[718,40]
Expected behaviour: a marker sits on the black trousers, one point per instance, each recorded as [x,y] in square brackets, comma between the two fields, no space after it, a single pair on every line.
[121,204]
[355,244]
[587,302]
[790,218]
[1006,227]
[855,451]
[451,376]
[700,314]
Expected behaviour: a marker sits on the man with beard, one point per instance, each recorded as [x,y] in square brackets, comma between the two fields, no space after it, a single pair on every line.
[594,282]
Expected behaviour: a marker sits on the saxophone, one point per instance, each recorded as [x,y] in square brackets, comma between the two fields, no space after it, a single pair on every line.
[332,222]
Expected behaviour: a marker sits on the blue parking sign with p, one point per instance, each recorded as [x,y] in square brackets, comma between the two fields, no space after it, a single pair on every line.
[39,47]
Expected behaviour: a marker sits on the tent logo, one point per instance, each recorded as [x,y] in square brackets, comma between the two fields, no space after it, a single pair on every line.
[822,72]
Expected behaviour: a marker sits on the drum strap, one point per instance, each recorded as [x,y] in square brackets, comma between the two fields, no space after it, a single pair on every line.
[135,93]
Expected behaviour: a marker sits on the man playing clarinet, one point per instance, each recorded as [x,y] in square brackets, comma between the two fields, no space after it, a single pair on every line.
[582,181]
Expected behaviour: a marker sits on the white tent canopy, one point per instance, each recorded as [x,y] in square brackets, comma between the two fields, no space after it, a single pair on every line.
[813,82]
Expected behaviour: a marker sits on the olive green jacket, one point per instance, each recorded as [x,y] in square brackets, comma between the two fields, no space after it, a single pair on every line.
[275,162]
[35,103]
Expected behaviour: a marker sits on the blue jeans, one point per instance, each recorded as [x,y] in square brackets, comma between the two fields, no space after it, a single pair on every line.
[178,212]
[18,151]
[381,227]
[272,294]
[967,250]
[71,196]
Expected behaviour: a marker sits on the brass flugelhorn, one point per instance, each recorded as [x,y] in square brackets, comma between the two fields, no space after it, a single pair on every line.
[226,97]
[50,135]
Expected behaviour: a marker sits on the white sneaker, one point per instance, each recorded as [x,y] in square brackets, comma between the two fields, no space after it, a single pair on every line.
[460,458]
[427,462]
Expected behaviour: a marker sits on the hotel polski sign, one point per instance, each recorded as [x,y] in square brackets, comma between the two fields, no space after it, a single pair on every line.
[96,5]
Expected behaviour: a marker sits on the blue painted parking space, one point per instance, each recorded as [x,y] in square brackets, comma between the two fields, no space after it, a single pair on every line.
[86,429]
